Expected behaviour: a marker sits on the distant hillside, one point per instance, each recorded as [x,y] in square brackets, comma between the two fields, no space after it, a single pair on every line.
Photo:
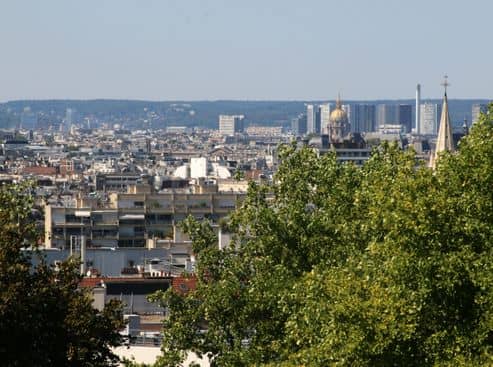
[189,113]
[8,120]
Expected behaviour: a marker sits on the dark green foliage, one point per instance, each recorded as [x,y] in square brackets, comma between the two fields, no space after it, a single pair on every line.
[390,264]
[45,319]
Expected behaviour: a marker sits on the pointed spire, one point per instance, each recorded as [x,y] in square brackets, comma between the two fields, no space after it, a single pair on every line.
[338,101]
[445,139]
[465,127]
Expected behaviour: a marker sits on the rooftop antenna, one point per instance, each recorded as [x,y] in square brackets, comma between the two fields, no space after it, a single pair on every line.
[445,83]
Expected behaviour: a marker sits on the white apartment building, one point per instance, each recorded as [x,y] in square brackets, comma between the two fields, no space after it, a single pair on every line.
[230,124]
[429,116]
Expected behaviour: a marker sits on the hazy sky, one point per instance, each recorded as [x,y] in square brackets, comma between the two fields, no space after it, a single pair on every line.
[244,49]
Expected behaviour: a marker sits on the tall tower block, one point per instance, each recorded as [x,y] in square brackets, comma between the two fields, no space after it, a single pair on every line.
[418,102]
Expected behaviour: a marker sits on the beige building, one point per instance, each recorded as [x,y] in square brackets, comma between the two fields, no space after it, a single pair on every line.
[136,219]
[231,124]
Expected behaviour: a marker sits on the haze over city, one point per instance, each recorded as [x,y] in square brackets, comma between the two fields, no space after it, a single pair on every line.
[253,50]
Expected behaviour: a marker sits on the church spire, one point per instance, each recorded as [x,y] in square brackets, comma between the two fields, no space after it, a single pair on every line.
[338,101]
[445,140]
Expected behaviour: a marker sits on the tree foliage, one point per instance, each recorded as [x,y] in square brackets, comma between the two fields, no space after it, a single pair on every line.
[45,319]
[390,264]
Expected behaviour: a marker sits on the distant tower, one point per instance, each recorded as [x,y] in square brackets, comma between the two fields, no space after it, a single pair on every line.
[429,118]
[318,120]
[418,103]
[465,127]
[324,117]
[311,119]
[477,110]
[387,114]
[405,116]
[298,125]
[445,139]
[362,117]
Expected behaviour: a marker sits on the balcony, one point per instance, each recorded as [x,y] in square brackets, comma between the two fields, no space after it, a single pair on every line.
[72,224]
[132,236]
[113,223]
[163,209]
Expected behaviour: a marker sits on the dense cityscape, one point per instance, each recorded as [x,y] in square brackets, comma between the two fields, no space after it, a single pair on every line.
[269,184]
[114,190]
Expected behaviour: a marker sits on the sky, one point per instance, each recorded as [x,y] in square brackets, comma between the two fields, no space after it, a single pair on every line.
[244,49]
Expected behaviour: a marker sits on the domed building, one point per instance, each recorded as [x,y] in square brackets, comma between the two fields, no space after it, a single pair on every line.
[338,138]
[338,126]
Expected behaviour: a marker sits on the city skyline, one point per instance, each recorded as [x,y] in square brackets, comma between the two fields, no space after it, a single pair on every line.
[213,50]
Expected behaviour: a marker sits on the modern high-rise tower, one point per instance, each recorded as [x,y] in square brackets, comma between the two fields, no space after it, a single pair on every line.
[429,114]
[395,114]
[298,125]
[318,120]
[324,117]
[362,118]
[310,119]
[477,109]
[405,116]
[386,114]
[417,109]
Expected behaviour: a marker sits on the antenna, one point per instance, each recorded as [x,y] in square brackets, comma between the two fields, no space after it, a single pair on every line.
[445,83]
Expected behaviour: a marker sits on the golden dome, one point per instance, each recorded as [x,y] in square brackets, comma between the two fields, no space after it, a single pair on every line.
[338,114]
[338,125]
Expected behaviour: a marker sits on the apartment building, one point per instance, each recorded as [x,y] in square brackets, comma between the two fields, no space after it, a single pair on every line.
[133,219]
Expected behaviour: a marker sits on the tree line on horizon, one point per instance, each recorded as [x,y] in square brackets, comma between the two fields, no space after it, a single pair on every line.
[278,113]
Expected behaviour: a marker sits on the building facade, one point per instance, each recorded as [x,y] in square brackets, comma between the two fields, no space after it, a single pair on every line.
[478,109]
[429,114]
[133,220]
[362,117]
[298,125]
[405,116]
[311,119]
[324,117]
[395,114]
[386,114]
[231,124]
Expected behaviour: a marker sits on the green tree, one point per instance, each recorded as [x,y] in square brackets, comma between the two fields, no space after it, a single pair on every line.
[389,264]
[45,319]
